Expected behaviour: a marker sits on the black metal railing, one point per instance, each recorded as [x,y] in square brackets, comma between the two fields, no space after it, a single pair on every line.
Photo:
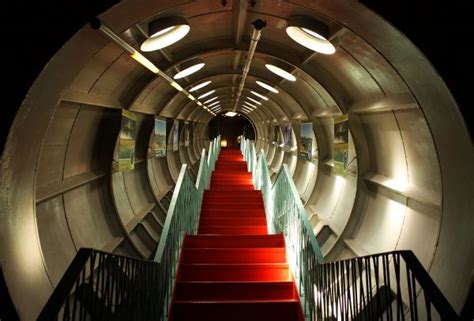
[385,286]
[104,286]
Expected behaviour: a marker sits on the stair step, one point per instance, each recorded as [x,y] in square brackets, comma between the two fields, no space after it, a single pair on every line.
[234,241]
[226,187]
[255,193]
[270,310]
[213,291]
[232,221]
[235,272]
[236,255]
[234,230]
[229,198]
[242,206]
[230,212]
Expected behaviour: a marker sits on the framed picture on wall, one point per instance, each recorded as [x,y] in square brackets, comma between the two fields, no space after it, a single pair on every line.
[176,135]
[306,146]
[159,141]
[287,135]
[341,143]
[128,135]
[186,134]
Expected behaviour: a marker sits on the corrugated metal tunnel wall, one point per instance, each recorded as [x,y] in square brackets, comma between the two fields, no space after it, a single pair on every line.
[409,185]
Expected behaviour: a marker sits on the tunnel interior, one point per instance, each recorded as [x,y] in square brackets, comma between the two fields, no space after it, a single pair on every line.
[408,171]
[230,128]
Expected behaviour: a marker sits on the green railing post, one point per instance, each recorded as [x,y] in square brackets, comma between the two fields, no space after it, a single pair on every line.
[182,218]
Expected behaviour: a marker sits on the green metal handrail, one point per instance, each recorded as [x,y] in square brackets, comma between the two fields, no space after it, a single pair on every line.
[182,218]
[363,288]
[285,214]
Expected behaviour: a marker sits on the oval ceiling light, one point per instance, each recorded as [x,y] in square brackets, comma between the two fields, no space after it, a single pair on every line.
[254,101]
[209,100]
[201,85]
[189,68]
[258,95]
[267,87]
[216,102]
[207,94]
[311,34]
[246,103]
[280,72]
[165,32]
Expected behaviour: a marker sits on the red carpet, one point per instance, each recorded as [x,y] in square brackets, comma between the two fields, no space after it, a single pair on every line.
[233,270]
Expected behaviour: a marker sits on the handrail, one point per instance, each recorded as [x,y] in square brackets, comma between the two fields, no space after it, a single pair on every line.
[186,200]
[105,286]
[363,288]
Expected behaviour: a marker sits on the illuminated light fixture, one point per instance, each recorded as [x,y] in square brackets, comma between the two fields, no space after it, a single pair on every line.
[259,95]
[165,32]
[201,85]
[280,72]
[254,101]
[145,62]
[230,114]
[200,104]
[311,34]
[246,109]
[207,94]
[208,101]
[189,68]
[250,106]
[176,86]
[216,102]
[267,87]
[191,97]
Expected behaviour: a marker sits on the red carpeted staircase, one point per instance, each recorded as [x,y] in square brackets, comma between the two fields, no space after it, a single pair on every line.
[233,270]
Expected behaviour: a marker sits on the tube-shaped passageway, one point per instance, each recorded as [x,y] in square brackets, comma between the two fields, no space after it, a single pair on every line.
[407,172]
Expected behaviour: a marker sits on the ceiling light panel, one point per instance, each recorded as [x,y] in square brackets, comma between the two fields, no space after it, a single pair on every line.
[280,72]
[189,70]
[165,32]
[267,87]
[207,94]
[201,85]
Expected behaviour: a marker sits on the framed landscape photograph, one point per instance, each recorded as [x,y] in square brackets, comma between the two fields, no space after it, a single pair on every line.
[306,147]
[341,143]
[159,142]
[128,135]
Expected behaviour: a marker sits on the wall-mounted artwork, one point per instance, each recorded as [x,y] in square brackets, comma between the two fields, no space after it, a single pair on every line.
[159,143]
[341,143]
[276,134]
[306,147]
[191,132]
[127,139]
[176,135]
[186,134]
[287,130]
